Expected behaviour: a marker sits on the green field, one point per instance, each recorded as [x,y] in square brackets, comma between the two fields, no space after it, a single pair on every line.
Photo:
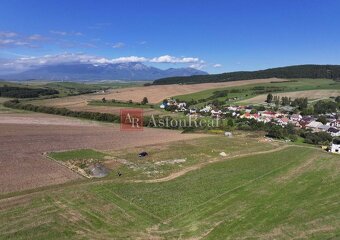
[248,92]
[277,192]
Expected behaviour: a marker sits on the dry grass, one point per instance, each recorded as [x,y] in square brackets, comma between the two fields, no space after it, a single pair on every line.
[155,94]
[310,94]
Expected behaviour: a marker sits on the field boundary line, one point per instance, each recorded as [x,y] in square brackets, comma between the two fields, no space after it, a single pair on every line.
[45,154]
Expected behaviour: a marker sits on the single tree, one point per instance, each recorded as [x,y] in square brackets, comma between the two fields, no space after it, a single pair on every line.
[269,98]
[145,100]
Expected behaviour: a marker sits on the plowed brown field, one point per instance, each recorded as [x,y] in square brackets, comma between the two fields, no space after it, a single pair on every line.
[24,137]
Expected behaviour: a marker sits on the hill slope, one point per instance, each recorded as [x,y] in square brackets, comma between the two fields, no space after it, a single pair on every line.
[298,71]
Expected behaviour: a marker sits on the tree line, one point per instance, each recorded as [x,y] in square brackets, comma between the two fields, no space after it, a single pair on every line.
[298,71]
[105,117]
[22,92]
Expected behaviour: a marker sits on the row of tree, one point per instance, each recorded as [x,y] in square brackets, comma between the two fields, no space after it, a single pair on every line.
[300,103]
[106,117]
[143,102]
[22,92]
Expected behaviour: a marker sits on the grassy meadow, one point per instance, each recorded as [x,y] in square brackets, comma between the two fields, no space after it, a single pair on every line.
[258,191]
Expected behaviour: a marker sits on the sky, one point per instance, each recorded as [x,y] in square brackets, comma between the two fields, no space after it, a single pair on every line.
[215,36]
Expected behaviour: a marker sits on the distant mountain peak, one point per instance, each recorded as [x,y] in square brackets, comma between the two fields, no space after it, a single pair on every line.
[109,71]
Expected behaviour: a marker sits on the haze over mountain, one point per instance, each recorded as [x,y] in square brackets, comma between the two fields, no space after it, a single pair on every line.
[90,72]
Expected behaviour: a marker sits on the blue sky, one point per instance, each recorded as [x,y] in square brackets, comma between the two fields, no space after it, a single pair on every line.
[215,36]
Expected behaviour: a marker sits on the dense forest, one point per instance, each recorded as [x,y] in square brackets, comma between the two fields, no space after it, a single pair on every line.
[298,71]
[23,92]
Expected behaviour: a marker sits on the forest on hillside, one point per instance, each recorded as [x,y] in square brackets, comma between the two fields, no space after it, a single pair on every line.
[298,71]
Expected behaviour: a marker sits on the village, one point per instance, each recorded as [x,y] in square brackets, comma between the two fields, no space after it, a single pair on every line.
[266,113]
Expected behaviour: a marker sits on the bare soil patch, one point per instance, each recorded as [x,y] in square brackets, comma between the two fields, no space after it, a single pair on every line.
[25,137]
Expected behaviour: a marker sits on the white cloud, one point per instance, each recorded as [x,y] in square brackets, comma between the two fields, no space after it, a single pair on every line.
[11,39]
[6,41]
[217,65]
[118,45]
[118,60]
[63,33]
[172,59]
[24,63]
[128,59]
[8,34]
[36,37]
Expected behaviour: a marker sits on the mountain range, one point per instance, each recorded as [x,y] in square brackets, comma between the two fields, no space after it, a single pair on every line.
[91,72]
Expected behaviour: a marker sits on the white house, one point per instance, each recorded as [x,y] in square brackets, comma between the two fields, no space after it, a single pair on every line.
[206,109]
[192,111]
[216,113]
[295,117]
[335,147]
[182,105]
[335,123]
[232,108]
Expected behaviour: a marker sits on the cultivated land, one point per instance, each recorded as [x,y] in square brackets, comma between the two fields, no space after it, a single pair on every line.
[184,189]
[262,191]
[247,94]
[155,94]
[25,136]
[311,95]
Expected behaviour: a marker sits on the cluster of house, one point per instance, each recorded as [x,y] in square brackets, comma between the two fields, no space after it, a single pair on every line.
[331,126]
[281,118]
[181,106]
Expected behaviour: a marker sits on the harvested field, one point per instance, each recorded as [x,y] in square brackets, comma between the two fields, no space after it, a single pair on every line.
[155,94]
[24,137]
[310,94]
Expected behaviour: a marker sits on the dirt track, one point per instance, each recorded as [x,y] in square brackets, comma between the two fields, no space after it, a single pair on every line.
[200,165]
[24,137]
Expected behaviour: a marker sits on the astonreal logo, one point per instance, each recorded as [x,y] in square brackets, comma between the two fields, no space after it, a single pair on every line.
[131,120]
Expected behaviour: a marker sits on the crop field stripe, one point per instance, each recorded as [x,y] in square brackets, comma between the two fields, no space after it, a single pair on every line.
[231,190]
[125,201]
